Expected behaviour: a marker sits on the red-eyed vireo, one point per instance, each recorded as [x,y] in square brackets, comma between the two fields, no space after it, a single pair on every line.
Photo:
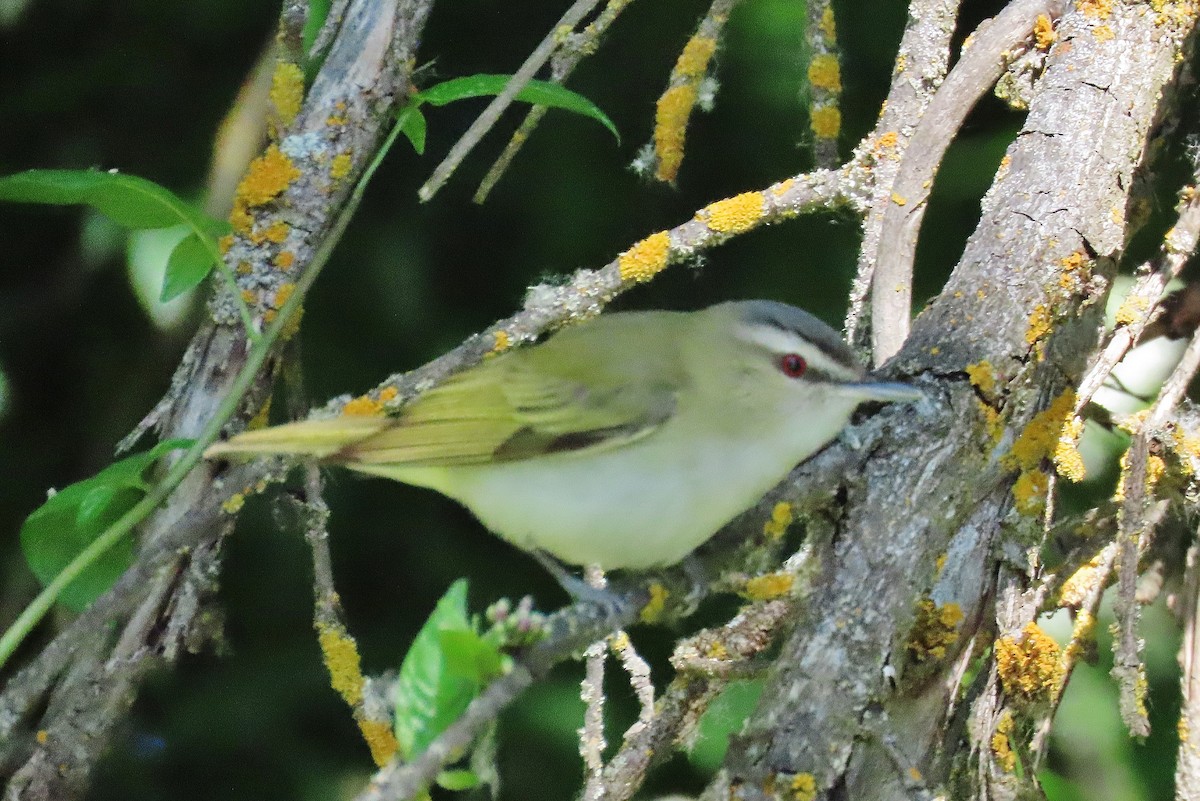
[625,441]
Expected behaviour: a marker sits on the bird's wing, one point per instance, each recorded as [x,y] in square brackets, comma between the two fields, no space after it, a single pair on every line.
[516,407]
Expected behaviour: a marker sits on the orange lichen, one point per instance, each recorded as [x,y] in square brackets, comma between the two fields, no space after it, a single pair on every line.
[934,630]
[502,341]
[380,739]
[771,585]
[782,516]
[240,219]
[342,661]
[362,406]
[1039,439]
[1132,309]
[733,215]
[339,168]
[276,232]
[1043,32]
[225,243]
[1039,327]
[1083,632]
[1098,9]
[670,129]
[284,259]
[249,296]
[266,177]
[388,394]
[1001,745]
[825,122]
[1029,668]
[887,141]
[282,294]
[646,258]
[824,72]
[899,200]
[287,91]
[42,736]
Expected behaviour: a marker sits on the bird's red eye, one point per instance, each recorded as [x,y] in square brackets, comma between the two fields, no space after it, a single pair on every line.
[793,365]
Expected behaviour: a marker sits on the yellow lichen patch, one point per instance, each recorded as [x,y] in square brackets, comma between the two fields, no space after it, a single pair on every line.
[240,219]
[1029,668]
[899,200]
[225,243]
[1039,439]
[1098,9]
[1084,631]
[671,115]
[939,564]
[716,650]
[42,736]
[693,61]
[260,418]
[1001,745]
[993,423]
[362,406]
[244,268]
[1043,32]
[826,122]
[886,141]
[733,215]
[502,341]
[828,26]
[287,90]
[282,294]
[276,232]
[772,585]
[783,187]
[233,504]
[342,661]
[1081,584]
[935,629]
[284,259]
[266,177]
[1029,492]
[983,377]
[825,73]
[380,739]
[1187,445]
[249,296]
[646,258]
[782,516]
[388,394]
[1038,328]
[339,168]
[803,787]
[1103,33]
[653,609]
[1132,309]
[1067,458]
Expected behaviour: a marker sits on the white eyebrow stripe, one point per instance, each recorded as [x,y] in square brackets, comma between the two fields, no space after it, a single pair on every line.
[778,340]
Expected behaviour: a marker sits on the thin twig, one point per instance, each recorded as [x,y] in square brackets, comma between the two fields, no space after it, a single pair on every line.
[993,45]
[570,52]
[484,122]
[1187,761]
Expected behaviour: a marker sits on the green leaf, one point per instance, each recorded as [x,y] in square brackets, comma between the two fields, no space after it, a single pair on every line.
[69,520]
[190,263]
[412,123]
[540,93]
[457,780]
[131,201]
[444,669]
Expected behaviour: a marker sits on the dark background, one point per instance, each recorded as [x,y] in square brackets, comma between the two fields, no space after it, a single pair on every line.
[142,85]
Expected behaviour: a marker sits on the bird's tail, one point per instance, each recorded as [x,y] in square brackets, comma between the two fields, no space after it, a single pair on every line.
[319,439]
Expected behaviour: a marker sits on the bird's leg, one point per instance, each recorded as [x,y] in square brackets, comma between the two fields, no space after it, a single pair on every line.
[578,589]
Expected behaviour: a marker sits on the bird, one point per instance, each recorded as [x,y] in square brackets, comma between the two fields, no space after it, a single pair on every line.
[624,441]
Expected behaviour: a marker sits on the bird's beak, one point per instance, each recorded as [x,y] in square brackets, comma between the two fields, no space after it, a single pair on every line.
[885,391]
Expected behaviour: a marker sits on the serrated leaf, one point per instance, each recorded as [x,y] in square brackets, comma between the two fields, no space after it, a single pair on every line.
[190,263]
[540,93]
[440,674]
[129,200]
[58,530]
[412,124]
